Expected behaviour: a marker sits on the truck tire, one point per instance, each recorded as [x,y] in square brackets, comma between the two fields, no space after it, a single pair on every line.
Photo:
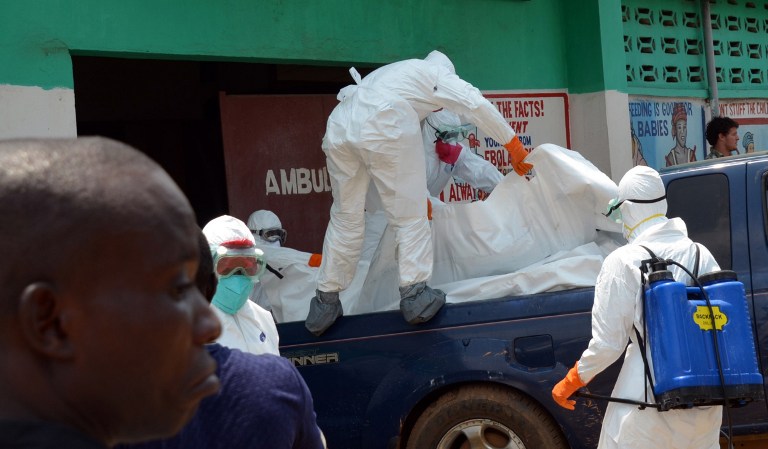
[485,417]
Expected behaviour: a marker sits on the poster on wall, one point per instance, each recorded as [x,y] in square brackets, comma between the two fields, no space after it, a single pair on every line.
[273,161]
[752,117]
[666,132]
[537,117]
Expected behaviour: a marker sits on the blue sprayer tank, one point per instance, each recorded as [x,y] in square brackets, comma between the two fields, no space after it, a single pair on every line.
[679,338]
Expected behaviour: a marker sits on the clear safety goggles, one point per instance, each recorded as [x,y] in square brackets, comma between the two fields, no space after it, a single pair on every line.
[614,213]
[452,134]
[245,261]
[274,234]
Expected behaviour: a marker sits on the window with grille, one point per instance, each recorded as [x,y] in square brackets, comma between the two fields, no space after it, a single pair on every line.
[664,45]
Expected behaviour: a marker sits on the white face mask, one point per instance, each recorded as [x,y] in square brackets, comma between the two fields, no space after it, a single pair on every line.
[629,231]
[636,213]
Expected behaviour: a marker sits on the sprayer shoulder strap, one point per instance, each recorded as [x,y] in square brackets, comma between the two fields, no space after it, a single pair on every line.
[644,269]
[696,262]
[646,264]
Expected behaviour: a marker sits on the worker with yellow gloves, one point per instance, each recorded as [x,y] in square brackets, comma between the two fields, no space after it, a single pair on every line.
[617,317]
[373,137]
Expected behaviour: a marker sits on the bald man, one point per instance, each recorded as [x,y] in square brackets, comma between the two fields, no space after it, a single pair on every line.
[102,329]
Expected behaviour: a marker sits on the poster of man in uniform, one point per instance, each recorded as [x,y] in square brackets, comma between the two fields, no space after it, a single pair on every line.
[752,117]
[537,118]
[666,133]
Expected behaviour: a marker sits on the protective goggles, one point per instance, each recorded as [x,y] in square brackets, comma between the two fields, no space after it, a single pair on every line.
[452,135]
[274,234]
[614,213]
[245,261]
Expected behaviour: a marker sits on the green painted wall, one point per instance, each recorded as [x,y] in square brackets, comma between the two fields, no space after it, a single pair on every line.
[595,56]
[495,44]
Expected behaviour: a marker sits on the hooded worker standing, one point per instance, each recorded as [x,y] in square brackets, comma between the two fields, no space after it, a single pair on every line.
[238,265]
[374,134]
[618,311]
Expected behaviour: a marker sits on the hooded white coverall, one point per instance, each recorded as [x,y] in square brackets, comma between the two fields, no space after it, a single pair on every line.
[252,329]
[618,307]
[374,134]
[469,167]
[278,258]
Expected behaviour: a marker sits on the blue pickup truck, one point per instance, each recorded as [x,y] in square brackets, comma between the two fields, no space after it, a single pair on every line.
[480,374]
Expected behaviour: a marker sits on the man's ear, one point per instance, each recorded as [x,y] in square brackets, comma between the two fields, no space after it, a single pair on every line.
[40,320]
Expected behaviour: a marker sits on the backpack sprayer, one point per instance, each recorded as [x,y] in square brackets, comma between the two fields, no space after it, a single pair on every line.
[699,339]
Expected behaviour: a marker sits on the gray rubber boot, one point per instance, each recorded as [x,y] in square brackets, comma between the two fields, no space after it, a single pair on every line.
[420,303]
[324,309]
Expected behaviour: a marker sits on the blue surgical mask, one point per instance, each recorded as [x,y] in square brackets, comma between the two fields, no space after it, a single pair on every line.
[232,293]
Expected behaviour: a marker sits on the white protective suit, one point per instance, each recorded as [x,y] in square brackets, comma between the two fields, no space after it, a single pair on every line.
[252,329]
[618,306]
[297,270]
[469,167]
[540,232]
[374,134]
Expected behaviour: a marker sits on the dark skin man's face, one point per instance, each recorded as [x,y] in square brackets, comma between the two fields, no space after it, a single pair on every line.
[140,324]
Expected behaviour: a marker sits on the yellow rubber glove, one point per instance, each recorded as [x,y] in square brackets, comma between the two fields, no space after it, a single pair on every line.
[518,153]
[566,387]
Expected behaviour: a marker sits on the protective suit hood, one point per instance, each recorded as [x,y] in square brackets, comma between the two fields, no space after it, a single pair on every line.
[264,219]
[641,183]
[226,229]
[436,57]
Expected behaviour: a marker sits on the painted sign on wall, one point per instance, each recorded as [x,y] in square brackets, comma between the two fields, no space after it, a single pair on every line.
[536,118]
[666,132]
[273,161]
[752,117]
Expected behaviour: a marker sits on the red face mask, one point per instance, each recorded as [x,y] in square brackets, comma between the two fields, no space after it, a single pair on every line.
[447,152]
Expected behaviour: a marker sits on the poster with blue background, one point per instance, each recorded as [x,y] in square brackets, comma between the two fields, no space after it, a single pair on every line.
[666,133]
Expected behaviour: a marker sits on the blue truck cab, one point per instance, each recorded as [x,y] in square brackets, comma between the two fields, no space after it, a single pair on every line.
[480,374]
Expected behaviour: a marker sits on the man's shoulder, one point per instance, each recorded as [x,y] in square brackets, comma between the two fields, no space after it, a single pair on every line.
[258,364]
[42,435]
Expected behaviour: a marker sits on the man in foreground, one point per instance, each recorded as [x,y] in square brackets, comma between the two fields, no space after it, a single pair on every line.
[263,402]
[102,329]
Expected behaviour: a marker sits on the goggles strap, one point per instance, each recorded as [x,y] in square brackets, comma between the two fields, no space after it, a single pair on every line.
[617,205]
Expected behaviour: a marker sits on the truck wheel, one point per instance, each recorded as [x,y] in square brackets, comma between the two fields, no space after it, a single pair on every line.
[485,417]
